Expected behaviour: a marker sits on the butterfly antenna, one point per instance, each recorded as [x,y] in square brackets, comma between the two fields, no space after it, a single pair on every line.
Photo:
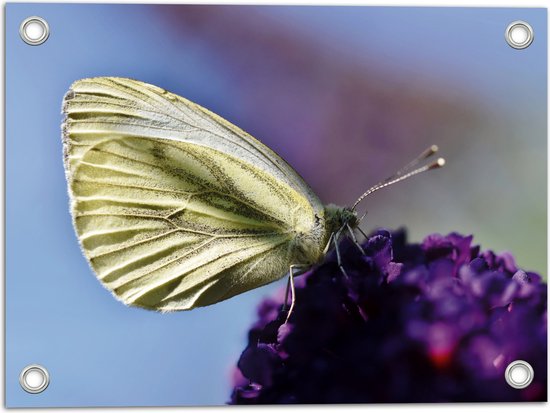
[424,155]
[405,172]
[428,153]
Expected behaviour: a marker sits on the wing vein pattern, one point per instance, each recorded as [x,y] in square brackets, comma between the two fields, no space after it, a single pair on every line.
[174,207]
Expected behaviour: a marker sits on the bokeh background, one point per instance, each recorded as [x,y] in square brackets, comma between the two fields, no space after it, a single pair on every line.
[346,95]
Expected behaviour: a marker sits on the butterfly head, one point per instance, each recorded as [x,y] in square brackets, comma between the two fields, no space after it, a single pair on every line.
[349,217]
[338,217]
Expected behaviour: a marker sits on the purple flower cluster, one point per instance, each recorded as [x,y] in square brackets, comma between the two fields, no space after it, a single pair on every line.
[435,322]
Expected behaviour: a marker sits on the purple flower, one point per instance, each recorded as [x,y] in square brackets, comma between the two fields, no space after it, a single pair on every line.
[435,322]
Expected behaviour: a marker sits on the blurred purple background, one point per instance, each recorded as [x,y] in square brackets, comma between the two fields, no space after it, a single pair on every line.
[348,95]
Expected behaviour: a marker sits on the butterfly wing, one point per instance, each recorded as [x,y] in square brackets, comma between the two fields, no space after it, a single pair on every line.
[168,219]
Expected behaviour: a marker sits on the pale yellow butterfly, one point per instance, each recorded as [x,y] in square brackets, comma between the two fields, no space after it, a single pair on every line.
[176,208]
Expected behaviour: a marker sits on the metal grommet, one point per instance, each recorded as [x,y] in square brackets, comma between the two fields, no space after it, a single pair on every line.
[519,34]
[34,30]
[34,378]
[519,374]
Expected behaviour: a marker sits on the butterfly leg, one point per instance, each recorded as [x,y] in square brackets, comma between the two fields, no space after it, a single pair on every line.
[285,305]
[328,244]
[362,232]
[354,239]
[292,292]
[337,248]
[290,284]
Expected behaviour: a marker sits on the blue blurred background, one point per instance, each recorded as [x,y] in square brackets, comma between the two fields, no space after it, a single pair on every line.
[346,95]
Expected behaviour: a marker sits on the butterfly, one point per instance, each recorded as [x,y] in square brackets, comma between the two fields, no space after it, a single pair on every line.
[176,208]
